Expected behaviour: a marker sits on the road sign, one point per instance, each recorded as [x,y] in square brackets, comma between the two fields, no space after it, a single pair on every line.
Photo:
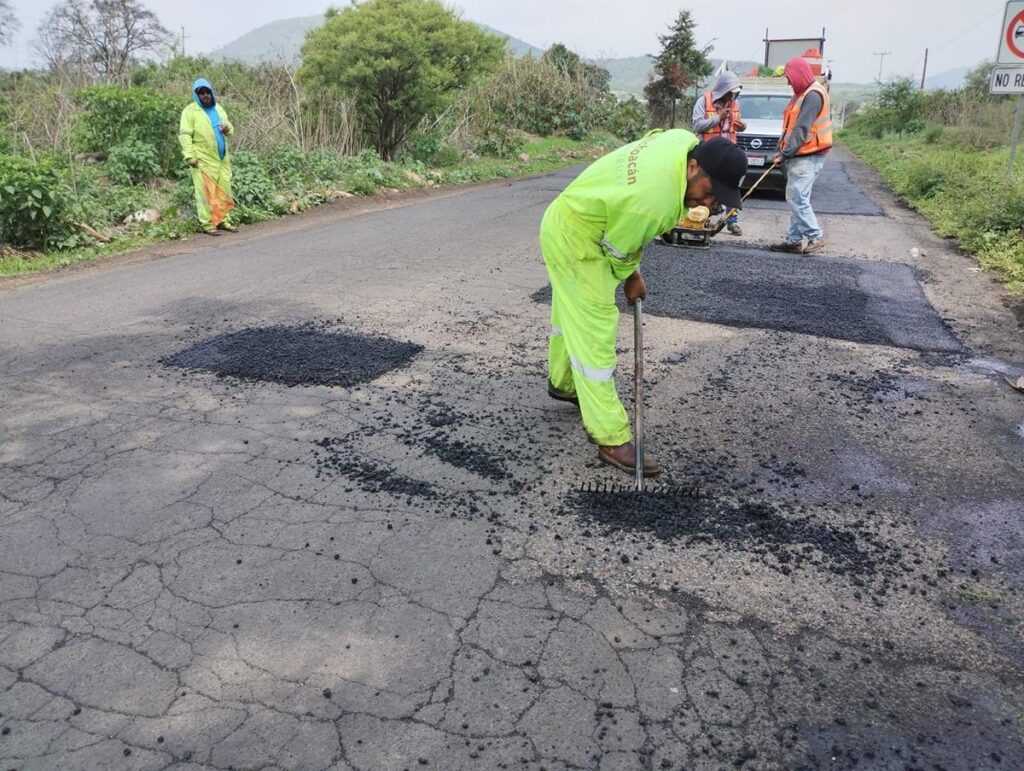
[1011,34]
[1007,80]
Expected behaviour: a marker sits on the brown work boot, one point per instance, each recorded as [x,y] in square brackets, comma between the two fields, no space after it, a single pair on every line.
[228,227]
[623,457]
[795,247]
[562,396]
[814,246]
[735,230]
[211,231]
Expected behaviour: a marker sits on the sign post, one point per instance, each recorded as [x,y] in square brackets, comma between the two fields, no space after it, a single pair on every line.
[1008,75]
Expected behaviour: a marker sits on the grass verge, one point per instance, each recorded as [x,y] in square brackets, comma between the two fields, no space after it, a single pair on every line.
[277,185]
[962,190]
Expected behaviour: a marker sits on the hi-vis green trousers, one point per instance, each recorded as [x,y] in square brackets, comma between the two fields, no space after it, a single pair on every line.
[584,322]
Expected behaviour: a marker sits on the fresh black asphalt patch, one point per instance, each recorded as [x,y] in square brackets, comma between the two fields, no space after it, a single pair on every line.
[307,354]
[879,303]
[834,193]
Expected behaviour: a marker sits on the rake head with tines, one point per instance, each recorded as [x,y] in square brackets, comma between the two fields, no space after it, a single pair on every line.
[617,488]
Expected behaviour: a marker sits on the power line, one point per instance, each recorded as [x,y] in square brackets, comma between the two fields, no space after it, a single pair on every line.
[969,29]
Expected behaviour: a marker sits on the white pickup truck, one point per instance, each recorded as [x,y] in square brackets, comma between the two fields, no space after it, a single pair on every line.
[761,106]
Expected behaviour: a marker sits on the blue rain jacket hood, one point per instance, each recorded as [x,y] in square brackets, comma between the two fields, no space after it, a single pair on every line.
[211,113]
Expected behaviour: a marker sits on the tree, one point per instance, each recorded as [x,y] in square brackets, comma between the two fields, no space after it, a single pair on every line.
[569,63]
[103,38]
[679,66]
[402,61]
[8,22]
[977,80]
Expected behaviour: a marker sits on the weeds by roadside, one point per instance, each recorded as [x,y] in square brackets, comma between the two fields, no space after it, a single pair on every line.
[281,181]
[945,153]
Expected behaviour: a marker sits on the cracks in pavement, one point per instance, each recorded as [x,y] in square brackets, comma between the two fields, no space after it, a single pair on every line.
[141,572]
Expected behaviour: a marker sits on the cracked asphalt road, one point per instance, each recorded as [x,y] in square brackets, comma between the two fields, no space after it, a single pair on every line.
[201,572]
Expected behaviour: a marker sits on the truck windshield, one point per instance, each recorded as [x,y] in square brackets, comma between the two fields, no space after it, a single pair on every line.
[763,107]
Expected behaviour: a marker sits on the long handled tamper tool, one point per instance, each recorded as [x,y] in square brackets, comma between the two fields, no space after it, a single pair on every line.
[721,224]
[638,389]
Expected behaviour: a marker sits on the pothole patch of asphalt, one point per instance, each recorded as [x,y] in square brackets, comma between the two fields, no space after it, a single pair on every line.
[313,353]
[863,301]
[834,192]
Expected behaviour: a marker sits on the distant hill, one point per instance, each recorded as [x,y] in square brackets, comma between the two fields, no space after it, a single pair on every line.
[949,79]
[280,41]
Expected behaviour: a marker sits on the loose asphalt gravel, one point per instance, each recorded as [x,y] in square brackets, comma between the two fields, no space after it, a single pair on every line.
[300,501]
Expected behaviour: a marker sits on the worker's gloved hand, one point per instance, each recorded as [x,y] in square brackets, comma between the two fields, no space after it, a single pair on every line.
[777,160]
[635,288]
[193,162]
[226,128]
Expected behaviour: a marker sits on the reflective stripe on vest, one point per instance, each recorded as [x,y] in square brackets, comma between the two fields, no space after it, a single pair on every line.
[716,130]
[820,136]
[557,332]
[597,374]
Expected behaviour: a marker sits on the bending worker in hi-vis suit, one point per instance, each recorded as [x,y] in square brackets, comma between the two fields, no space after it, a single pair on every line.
[592,237]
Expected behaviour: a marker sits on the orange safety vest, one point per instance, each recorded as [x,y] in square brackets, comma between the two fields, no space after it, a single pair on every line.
[716,130]
[820,136]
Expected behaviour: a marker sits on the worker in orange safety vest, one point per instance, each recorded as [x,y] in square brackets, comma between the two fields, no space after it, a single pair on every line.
[717,114]
[806,139]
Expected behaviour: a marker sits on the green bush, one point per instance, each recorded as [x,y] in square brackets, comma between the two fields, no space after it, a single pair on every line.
[424,146]
[133,162]
[921,178]
[285,165]
[539,98]
[252,188]
[447,156]
[914,126]
[933,134]
[115,115]
[629,120]
[325,165]
[34,207]
[500,141]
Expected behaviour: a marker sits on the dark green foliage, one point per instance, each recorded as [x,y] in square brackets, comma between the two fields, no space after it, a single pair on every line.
[133,162]
[252,188]
[629,120]
[34,206]
[113,115]
[680,65]
[401,60]
[550,96]
[501,141]
[424,146]
[285,165]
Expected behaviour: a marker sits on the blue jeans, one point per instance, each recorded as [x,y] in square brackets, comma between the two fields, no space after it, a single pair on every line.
[801,173]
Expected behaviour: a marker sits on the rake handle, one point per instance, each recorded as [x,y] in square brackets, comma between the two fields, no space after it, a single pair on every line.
[745,196]
[638,389]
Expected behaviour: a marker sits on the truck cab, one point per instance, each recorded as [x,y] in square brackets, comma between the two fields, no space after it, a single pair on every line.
[761,107]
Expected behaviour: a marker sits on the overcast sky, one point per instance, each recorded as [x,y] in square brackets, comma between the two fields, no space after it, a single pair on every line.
[958,32]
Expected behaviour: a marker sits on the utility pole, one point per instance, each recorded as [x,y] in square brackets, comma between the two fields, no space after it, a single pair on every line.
[881,59]
[183,40]
[924,72]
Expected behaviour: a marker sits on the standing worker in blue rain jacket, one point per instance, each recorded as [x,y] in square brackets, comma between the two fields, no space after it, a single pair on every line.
[202,136]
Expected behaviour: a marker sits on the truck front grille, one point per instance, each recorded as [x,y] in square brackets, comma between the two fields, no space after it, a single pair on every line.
[767,145]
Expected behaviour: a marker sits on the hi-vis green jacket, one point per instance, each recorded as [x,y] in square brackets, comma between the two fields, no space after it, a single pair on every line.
[626,198]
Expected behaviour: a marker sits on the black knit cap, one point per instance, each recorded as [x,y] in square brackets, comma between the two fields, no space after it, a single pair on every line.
[726,164]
